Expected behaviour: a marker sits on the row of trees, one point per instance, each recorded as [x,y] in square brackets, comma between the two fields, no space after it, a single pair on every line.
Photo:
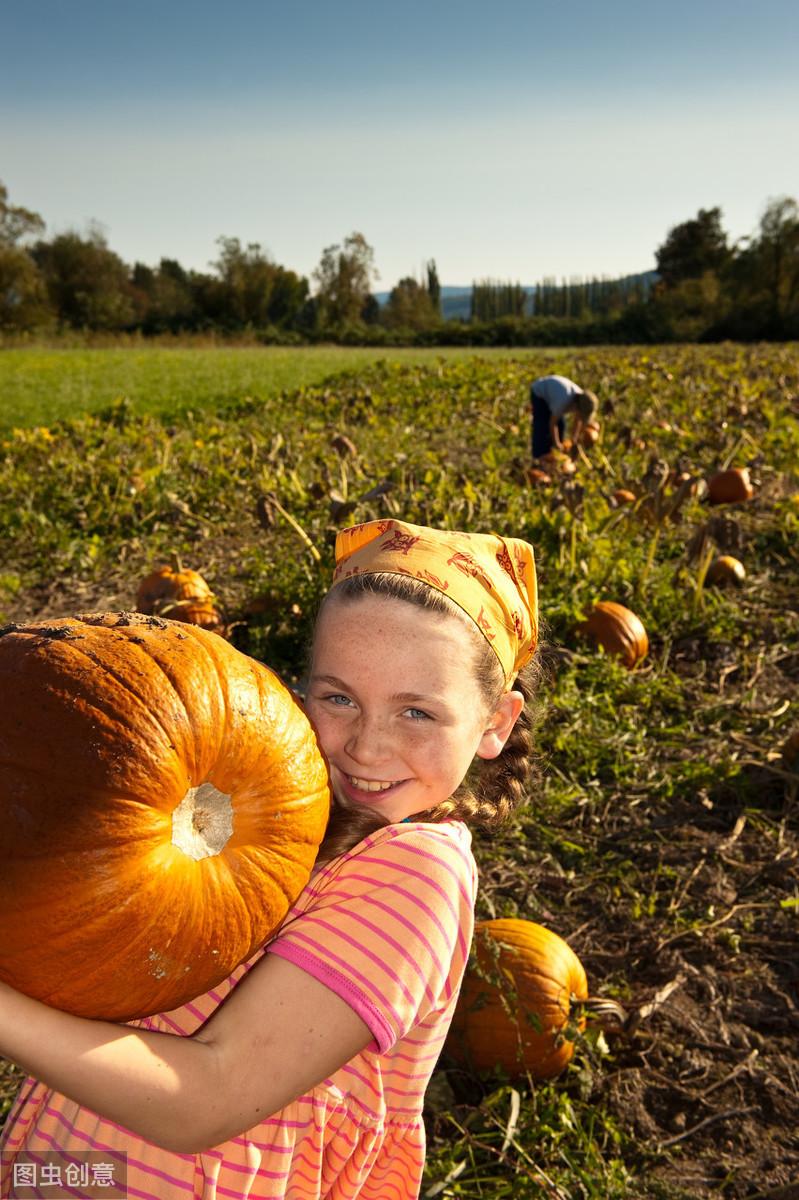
[705,287]
[492,299]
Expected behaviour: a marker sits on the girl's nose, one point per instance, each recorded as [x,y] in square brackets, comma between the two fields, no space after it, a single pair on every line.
[368,741]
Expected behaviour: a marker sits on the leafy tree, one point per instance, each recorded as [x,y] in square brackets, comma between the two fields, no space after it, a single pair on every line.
[344,281]
[23,295]
[24,303]
[778,248]
[762,280]
[254,291]
[693,248]
[164,297]
[370,313]
[17,223]
[410,306]
[88,283]
[492,299]
[434,287]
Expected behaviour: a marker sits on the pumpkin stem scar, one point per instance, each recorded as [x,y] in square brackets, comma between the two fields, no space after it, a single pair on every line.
[203,822]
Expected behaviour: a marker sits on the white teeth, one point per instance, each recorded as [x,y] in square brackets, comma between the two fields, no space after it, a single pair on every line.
[369,785]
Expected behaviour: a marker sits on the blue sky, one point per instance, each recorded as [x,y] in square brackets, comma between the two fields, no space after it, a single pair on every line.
[506,139]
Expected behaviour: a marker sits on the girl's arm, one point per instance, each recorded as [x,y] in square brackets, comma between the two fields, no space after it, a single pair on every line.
[554,432]
[280,1033]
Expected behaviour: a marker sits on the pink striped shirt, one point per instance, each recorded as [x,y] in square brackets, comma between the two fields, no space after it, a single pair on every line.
[387,927]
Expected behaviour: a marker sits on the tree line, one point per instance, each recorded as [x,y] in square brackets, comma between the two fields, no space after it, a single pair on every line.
[704,288]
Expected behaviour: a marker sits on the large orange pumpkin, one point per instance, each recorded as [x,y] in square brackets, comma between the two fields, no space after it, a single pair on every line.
[179,594]
[162,799]
[730,487]
[617,630]
[516,1003]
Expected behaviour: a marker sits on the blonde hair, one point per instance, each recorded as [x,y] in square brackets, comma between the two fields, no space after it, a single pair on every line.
[494,788]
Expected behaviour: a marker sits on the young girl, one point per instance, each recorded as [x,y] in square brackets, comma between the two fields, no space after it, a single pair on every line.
[303,1074]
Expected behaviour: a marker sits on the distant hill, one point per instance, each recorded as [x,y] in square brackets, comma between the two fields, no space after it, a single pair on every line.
[456,300]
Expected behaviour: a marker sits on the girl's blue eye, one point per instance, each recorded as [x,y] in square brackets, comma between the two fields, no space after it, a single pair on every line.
[338,700]
[417,715]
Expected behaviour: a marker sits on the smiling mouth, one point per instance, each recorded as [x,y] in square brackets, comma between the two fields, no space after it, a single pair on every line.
[369,785]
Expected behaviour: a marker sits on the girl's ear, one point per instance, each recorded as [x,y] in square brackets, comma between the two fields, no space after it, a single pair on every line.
[497,732]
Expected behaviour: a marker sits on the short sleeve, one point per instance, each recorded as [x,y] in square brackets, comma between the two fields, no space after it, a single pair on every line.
[388,927]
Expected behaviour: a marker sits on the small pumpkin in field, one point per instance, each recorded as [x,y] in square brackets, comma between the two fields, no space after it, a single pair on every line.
[618,630]
[162,799]
[589,435]
[556,463]
[516,1006]
[178,594]
[725,570]
[538,478]
[730,487]
[623,496]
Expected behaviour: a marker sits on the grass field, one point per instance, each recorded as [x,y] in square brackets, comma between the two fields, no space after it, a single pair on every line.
[39,386]
[663,839]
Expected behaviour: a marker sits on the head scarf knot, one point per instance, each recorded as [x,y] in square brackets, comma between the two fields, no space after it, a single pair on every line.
[491,578]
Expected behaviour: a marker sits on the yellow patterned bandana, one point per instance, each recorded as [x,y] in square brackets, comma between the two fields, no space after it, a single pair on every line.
[490,577]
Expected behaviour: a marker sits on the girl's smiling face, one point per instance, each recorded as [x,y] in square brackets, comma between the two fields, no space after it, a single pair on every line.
[397,706]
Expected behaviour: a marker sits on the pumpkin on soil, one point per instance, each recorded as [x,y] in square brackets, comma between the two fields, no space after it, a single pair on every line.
[730,487]
[617,630]
[162,800]
[179,595]
[725,570]
[515,1007]
[589,435]
[556,462]
[538,478]
[683,479]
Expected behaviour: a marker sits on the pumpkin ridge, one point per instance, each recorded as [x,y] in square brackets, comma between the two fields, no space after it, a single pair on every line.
[87,788]
[253,667]
[106,667]
[112,674]
[131,639]
[278,881]
[256,671]
[200,977]
[172,954]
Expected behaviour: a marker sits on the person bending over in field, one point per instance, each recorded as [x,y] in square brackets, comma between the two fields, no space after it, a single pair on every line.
[553,398]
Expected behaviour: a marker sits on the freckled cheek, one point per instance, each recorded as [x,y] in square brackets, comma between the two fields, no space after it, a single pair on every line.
[327,728]
[441,759]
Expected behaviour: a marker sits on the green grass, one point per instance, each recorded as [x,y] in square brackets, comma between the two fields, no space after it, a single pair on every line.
[39,386]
